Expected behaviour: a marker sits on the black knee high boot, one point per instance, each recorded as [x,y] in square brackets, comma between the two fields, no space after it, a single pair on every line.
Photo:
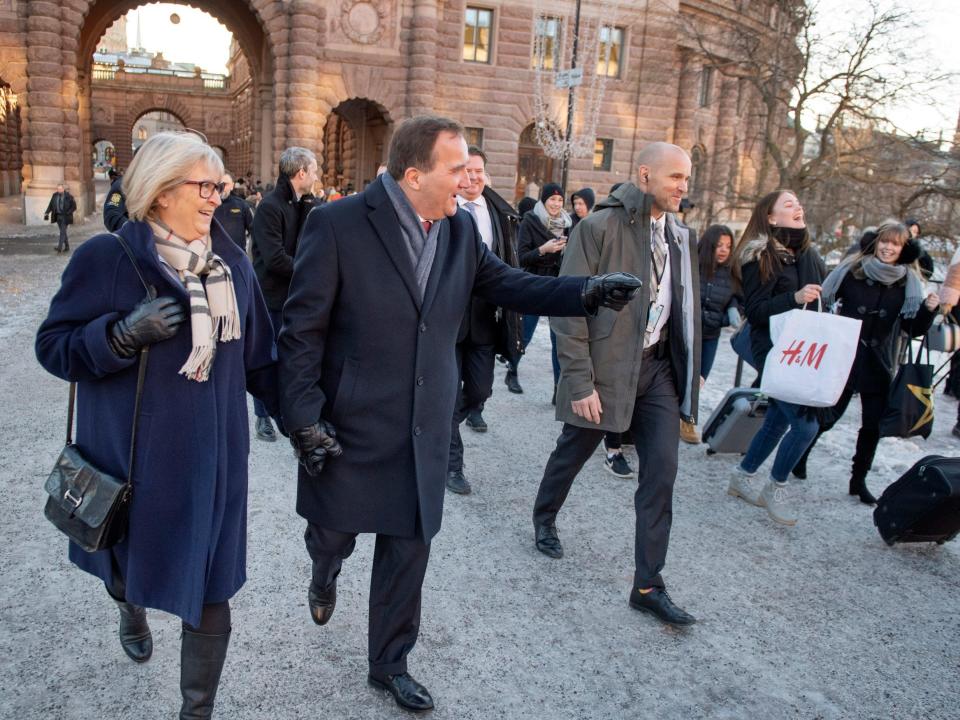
[867,440]
[201,662]
[135,636]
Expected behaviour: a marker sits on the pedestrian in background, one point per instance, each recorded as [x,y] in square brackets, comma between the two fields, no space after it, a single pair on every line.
[60,210]
[582,202]
[779,270]
[210,342]
[234,214]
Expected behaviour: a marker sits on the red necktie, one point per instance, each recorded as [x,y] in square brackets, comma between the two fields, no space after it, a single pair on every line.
[426,226]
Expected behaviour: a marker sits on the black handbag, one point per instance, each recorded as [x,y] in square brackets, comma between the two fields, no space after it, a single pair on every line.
[909,409]
[89,506]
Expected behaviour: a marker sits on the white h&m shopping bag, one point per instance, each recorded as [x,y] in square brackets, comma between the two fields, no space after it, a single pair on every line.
[811,357]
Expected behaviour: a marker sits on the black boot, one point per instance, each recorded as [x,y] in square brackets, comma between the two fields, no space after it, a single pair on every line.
[867,440]
[201,662]
[135,636]
[858,487]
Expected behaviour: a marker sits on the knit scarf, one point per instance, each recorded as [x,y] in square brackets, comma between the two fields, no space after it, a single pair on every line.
[880,272]
[556,226]
[213,310]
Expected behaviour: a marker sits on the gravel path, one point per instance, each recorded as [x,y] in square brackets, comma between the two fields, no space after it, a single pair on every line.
[818,621]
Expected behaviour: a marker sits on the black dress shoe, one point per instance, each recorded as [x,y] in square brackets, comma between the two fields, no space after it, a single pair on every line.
[135,636]
[457,483]
[658,603]
[476,422]
[548,542]
[513,385]
[322,602]
[408,693]
[265,430]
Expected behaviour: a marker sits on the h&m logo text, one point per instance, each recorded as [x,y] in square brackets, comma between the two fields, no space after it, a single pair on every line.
[795,355]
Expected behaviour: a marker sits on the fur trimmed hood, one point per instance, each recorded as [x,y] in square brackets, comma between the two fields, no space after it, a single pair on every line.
[751,251]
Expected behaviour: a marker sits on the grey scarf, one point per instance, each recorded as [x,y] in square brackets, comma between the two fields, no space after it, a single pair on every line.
[421,246]
[555,226]
[880,272]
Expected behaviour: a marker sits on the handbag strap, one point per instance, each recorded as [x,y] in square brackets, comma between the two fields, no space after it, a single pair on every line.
[141,373]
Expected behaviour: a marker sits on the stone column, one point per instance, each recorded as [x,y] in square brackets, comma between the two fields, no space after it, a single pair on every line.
[304,120]
[422,75]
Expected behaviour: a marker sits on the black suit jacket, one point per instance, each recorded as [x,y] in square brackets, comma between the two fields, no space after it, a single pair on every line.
[359,348]
[276,225]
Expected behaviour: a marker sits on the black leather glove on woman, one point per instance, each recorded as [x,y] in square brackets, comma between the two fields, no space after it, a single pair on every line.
[613,290]
[149,322]
[313,444]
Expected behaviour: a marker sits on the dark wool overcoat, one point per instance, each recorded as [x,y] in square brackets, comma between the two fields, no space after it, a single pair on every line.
[186,544]
[360,349]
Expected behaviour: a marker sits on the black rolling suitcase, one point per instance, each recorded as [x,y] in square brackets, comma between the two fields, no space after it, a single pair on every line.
[923,505]
[736,420]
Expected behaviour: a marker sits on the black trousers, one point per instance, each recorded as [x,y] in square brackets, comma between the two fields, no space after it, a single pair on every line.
[62,242]
[655,427]
[475,363]
[399,565]
[873,405]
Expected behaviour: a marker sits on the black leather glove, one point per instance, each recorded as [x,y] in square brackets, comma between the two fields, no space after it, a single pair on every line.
[313,444]
[149,322]
[613,290]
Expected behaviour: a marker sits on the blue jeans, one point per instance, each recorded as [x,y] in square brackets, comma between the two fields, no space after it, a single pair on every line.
[780,416]
[529,326]
[708,352]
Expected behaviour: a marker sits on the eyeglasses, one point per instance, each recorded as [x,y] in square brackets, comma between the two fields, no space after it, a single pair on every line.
[206,187]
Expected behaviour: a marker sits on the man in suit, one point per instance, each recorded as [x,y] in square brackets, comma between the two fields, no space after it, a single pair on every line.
[638,371]
[273,243]
[234,214]
[484,327]
[60,211]
[368,373]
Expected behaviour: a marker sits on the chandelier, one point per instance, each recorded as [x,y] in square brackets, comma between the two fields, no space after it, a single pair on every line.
[584,88]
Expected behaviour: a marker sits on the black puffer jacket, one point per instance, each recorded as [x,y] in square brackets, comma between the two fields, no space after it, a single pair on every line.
[878,307]
[717,295]
[532,234]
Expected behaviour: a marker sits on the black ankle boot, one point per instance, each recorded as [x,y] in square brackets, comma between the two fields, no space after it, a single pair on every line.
[135,636]
[201,662]
[858,487]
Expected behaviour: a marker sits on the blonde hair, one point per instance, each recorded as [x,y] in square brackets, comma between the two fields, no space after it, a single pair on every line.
[162,163]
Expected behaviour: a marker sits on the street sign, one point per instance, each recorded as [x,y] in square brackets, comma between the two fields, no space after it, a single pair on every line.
[569,78]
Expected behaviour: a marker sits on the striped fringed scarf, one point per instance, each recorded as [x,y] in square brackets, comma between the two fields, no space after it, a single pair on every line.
[212,312]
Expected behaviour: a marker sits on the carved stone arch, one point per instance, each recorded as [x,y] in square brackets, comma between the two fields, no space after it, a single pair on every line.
[173,105]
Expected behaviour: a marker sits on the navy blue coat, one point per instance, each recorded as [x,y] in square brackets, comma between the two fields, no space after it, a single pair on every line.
[188,519]
[359,349]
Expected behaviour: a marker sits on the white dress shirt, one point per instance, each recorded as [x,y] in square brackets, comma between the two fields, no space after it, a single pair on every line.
[482,214]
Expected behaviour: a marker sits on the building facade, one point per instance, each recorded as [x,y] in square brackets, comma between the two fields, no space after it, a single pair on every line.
[337,75]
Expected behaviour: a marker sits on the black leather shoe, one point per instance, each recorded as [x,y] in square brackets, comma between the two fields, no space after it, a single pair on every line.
[476,422]
[408,693]
[457,483]
[548,542]
[658,603]
[513,385]
[265,430]
[135,636]
[322,602]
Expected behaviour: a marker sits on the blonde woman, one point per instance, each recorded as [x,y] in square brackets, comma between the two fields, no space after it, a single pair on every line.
[210,342]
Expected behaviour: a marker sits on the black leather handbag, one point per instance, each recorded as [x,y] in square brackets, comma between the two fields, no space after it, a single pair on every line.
[89,506]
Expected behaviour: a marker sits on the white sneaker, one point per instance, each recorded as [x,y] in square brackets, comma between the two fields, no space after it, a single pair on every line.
[776,497]
[746,486]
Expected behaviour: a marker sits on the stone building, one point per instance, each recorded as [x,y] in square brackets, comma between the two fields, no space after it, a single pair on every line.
[337,75]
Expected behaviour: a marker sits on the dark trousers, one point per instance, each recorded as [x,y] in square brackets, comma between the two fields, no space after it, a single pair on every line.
[655,427]
[276,318]
[529,327]
[62,243]
[873,405]
[475,363]
[399,565]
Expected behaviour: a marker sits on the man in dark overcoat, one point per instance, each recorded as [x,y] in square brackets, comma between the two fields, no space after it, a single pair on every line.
[486,329]
[234,214]
[380,285]
[276,227]
[60,211]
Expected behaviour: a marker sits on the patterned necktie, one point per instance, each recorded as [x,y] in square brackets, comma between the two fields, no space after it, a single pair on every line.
[471,208]
[659,247]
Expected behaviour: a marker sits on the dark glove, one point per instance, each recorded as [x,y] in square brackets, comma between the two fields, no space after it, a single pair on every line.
[313,444]
[149,322]
[613,290]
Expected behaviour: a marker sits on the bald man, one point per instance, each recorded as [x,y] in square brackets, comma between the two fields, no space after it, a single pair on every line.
[636,372]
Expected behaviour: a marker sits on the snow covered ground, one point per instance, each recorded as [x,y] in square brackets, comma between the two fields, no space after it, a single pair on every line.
[818,621]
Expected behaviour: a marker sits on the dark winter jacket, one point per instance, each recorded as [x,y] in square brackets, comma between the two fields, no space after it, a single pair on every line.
[115,206]
[878,307]
[68,208]
[589,198]
[533,233]
[276,226]
[763,300]
[236,217]
[717,296]
[186,543]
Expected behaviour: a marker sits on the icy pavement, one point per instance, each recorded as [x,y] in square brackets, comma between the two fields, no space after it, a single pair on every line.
[818,621]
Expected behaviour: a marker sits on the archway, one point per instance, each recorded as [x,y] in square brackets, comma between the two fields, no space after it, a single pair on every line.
[533,165]
[355,139]
[152,122]
[104,157]
[11,153]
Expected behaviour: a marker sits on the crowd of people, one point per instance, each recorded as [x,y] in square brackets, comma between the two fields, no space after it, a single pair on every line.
[367,326]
